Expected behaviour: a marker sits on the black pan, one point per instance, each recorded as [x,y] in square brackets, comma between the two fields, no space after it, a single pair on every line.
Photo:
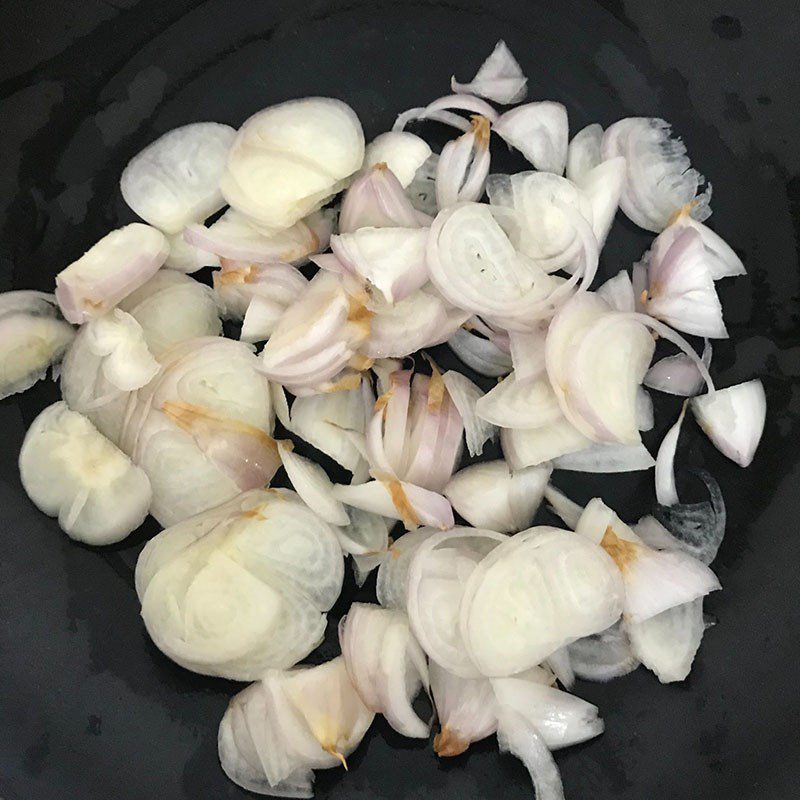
[89,709]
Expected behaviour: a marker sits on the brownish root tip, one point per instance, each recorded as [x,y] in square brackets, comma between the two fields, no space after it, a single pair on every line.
[446,744]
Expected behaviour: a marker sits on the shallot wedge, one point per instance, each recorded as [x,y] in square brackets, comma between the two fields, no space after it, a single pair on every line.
[109,271]
[465,395]
[386,664]
[175,180]
[540,132]
[392,580]
[499,78]
[733,419]
[401,151]
[278,730]
[71,471]
[33,338]
[376,199]
[242,587]
[490,495]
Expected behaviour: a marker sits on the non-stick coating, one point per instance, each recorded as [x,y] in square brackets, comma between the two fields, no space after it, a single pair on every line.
[89,709]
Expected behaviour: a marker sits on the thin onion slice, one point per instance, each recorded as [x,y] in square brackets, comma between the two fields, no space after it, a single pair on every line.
[666,491]
[402,152]
[463,166]
[603,656]
[499,78]
[480,354]
[465,395]
[376,200]
[517,403]
[540,131]
[678,374]
[607,458]
[392,582]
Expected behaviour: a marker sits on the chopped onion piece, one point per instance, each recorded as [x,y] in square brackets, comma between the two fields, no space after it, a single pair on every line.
[313,486]
[561,719]
[399,500]
[678,374]
[392,580]
[376,200]
[288,159]
[185,257]
[242,587]
[514,403]
[603,187]
[645,415]
[529,597]
[71,471]
[175,180]
[733,419]
[386,664]
[607,458]
[466,709]
[32,339]
[668,642]
[365,535]
[603,656]
[463,166]
[499,78]
[666,491]
[655,581]
[480,354]
[516,735]
[564,508]
[618,292]
[439,569]
[660,179]
[465,395]
[173,308]
[540,132]
[402,152]
[109,271]
[489,495]
[583,154]
[681,290]
[527,447]
[527,352]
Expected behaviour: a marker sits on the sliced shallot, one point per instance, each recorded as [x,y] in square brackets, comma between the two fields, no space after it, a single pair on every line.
[540,132]
[463,166]
[402,152]
[499,78]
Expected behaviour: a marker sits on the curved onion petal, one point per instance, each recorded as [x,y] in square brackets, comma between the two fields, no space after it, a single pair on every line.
[418,321]
[721,259]
[516,403]
[32,339]
[527,352]
[540,132]
[532,595]
[678,374]
[172,308]
[422,190]
[666,491]
[242,587]
[603,187]
[489,495]
[655,581]
[660,179]
[175,180]
[386,664]
[390,588]
[480,354]
[516,735]
[474,266]
[696,528]
[565,509]
[316,336]
[365,535]
[560,718]
[607,458]
[681,290]
[668,642]
[583,154]
[463,166]
[543,231]
[618,292]
[200,428]
[71,471]
[466,710]
[185,257]
[603,656]
[313,486]
[391,259]
[276,283]
[233,237]
[276,731]
[109,271]
[421,113]
[596,360]
[499,78]
[465,395]
[402,152]
[461,102]
[324,421]
[527,447]
[437,574]
[399,500]
[645,413]
[733,419]
[376,200]
[288,159]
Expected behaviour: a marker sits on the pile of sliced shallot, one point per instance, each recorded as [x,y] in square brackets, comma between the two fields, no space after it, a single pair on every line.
[338,265]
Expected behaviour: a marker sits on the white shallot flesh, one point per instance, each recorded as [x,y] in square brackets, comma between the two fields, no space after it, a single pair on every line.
[603,656]
[666,490]
[72,472]
[678,374]
[499,78]
[402,152]
[490,495]
[392,580]
[386,664]
[540,131]
[289,723]
[733,419]
[479,354]
[463,166]
[33,338]
[109,271]
[465,395]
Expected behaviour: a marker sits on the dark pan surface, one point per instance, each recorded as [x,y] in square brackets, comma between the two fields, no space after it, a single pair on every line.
[89,709]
